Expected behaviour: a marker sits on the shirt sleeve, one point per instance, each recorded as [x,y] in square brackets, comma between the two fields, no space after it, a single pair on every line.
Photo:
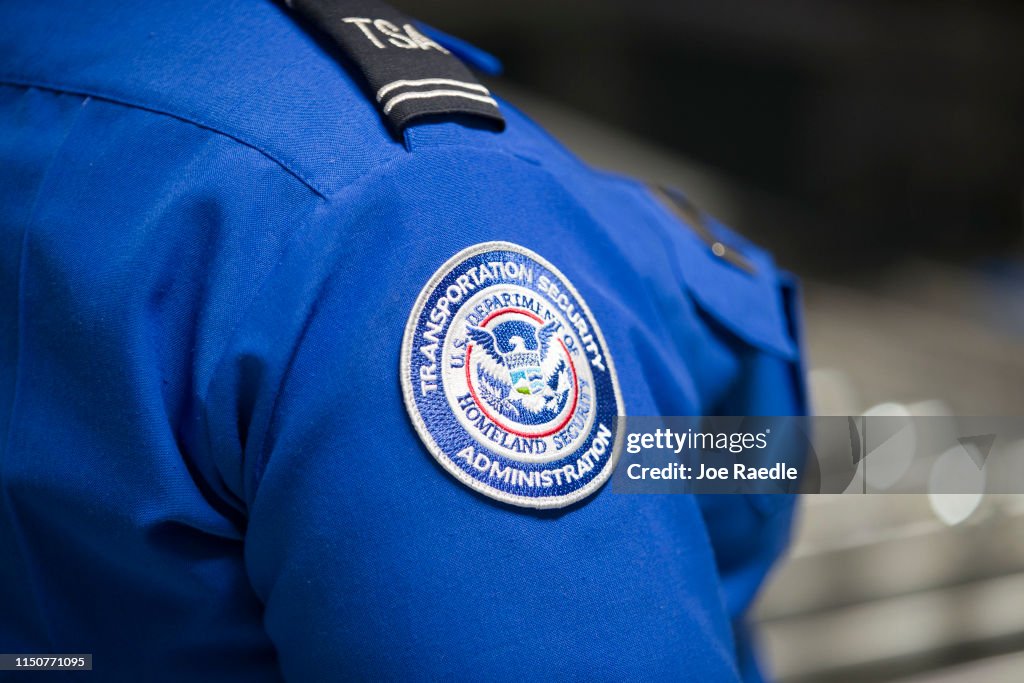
[371,560]
[751,532]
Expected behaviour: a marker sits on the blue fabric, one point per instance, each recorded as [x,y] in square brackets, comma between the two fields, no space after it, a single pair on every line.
[209,246]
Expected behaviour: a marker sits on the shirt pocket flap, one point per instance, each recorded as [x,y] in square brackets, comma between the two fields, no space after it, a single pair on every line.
[731,280]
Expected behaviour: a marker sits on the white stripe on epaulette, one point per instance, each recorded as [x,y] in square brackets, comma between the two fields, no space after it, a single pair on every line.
[436,93]
[429,81]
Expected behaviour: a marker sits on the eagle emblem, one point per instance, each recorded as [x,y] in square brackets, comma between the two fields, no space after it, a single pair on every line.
[520,374]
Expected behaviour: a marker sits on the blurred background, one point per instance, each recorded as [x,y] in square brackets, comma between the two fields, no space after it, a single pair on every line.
[878,149]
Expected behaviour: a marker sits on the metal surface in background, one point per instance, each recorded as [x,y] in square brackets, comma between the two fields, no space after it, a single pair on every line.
[880,588]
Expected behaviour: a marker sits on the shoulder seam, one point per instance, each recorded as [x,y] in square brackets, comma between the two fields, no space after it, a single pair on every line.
[86,92]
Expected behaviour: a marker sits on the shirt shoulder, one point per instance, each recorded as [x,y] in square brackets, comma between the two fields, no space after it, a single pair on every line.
[248,71]
[251,72]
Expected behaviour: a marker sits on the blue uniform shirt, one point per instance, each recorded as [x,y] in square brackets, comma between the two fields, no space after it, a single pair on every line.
[210,247]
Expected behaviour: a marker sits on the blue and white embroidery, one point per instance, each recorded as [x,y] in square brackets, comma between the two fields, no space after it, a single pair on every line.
[508,381]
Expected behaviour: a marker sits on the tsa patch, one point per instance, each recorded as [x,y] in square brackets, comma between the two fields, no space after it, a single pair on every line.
[508,381]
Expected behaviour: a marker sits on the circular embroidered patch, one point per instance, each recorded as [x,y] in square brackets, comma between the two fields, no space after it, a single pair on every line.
[508,380]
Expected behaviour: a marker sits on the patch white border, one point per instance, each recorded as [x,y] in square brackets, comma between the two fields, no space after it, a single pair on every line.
[408,396]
